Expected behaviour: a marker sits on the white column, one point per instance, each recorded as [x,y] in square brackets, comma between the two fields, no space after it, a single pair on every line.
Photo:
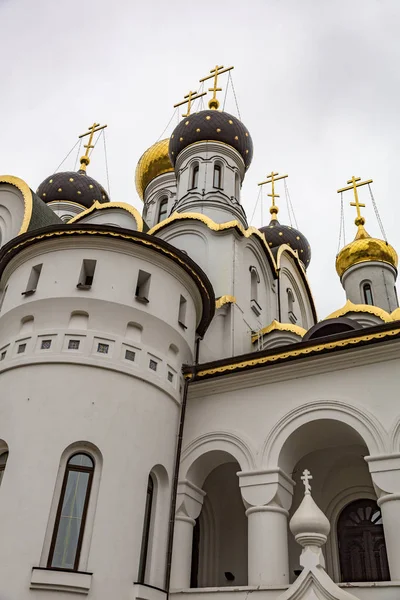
[267,496]
[188,507]
[390,507]
[385,473]
[268,558]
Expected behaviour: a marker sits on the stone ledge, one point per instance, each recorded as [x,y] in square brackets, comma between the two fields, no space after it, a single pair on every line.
[60,581]
[148,592]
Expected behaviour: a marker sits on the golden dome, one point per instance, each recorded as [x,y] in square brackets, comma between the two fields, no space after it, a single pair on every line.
[364,248]
[155,161]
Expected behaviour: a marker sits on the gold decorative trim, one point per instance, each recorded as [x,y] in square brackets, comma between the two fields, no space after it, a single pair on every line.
[360,308]
[27,196]
[277,326]
[104,205]
[116,235]
[395,314]
[225,300]
[294,353]
[176,216]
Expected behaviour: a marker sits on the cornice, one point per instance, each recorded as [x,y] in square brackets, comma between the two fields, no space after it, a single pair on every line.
[110,205]
[361,308]
[277,326]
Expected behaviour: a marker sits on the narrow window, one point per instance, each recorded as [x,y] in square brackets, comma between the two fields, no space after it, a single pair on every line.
[217,177]
[237,186]
[21,348]
[3,355]
[33,280]
[367,291]
[143,286]
[153,365]
[130,355]
[395,295]
[3,462]
[170,377]
[146,530]
[182,312]
[69,527]
[87,274]
[194,180]
[163,209]
[291,300]
[3,296]
[254,283]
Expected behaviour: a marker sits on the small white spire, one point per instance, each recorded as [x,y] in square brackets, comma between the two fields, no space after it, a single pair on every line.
[306,478]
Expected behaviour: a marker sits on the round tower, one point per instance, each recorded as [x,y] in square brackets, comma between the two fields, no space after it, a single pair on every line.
[90,358]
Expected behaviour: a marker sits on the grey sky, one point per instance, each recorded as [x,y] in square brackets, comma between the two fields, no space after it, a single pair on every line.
[317,82]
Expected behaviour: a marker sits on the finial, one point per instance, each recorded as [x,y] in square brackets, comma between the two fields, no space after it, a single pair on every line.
[213,104]
[188,99]
[355,183]
[85,160]
[271,178]
[306,477]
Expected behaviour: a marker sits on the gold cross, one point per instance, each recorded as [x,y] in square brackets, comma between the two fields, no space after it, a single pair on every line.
[214,103]
[188,100]
[271,178]
[85,160]
[305,479]
[355,183]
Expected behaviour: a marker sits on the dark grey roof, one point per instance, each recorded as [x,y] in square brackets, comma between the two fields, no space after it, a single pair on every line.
[42,215]
[73,186]
[277,234]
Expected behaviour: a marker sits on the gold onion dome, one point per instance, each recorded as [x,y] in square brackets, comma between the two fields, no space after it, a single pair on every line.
[154,162]
[364,248]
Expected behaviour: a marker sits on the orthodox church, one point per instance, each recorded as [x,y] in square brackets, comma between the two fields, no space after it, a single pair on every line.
[174,419]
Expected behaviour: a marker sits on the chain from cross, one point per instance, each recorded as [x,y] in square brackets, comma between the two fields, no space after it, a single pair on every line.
[188,99]
[355,182]
[85,160]
[272,178]
[214,103]
[306,477]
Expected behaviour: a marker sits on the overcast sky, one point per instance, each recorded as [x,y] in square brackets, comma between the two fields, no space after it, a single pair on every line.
[317,82]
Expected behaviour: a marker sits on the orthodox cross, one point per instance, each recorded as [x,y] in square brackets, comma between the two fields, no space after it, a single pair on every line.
[306,478]
[214,103]
[188,99]
[85,160]
[356,182]
[271,178]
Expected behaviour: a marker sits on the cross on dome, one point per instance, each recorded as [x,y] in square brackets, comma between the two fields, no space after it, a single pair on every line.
[356,182]
[271,178]
[188,99]
[214,103]
[85,160]
[306,477]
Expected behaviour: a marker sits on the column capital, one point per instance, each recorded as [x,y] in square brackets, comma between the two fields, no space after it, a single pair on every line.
[385,473]
[189,500]
[264,487]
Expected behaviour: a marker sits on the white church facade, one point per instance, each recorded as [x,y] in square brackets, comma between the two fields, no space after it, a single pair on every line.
[166,389]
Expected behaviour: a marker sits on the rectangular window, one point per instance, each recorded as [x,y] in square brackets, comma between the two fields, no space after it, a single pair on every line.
[130,355]
[153,365]
[182,312]
[3,296]
[170,377]
[217,176]
[45,345]
[21,348]
[33,280]
[73,344]
[143,286]
[3,355]
[102,348]
[87,274]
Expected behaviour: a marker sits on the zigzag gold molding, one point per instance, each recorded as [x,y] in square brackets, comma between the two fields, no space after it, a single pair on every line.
[27,196]
[361,308]
[277,326]
[225,300]
[107,205]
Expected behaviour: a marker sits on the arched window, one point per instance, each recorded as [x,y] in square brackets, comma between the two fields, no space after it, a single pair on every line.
[362,549]
[217,180]
[237,186]
[367,293]
[146,530]
[70,520]
[291,301]
[3,462]
[254,283]
[162,209]
[194,179]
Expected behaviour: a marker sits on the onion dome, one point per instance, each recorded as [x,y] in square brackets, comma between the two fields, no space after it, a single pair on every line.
[277,234]
[364,248]
[72,186]
[154,162]
[211,125]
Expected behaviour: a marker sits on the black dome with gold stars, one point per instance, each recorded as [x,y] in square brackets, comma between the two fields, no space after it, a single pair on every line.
[72,186]
[277,234]
[211,125]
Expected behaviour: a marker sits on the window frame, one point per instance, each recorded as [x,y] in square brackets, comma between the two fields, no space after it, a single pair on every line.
[194,176]
[3,465]
[217,169]
[161,212]
[147,522]
[67,470]
[367,288]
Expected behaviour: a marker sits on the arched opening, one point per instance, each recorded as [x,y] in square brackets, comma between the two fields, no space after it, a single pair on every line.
[148,514]
[290,301]
[362,549]
[334,453]
[217,176]
[194,177]
[367,293]
[3,462]
[219,549]
[237,186]
[162,209]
